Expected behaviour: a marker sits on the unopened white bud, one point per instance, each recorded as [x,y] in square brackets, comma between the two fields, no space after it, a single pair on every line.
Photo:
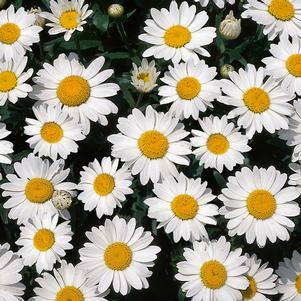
[230,28]
[225,70]
[115,10]
[39,20]
[61,199]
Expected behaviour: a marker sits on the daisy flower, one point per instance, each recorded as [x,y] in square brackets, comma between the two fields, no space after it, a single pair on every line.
[53,133]
[219,144]
[13,78]
[30,191]
[259,103]
[151,144]
[285,64]
[211,269]
[190,88]
[43,241]
[182,206]
[261,280]
[295,179]
[120,254]
[104,186]
[66,17]
[17,33]
[279,17]
[6,147]
[81,91]
[218,3]
[293,134]
[144,77]
[289,273]
[257,205]
[178,33]
[10,267]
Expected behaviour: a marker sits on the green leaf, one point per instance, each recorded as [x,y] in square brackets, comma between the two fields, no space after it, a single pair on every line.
[100,20]
[127,95]
[117,55]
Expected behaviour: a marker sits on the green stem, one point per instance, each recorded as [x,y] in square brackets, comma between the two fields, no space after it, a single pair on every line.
[140,97]
[78,46]
[122,33]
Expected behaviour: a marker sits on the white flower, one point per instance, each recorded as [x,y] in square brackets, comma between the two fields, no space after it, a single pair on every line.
[295,179]
[120,254]
[13,78]
[177,33]
[218,3]
[279,17]
[43,241]
[40,21]
[190,88]
[80,90]
[289,273]
[144,77]
[182,207]
[67,283]
[30,191]
[212,272]
[11,289]
[151,144]
[259,103]
[258,206]
[6,147]
[54,133]
[17,33]
[230,27]
[104,186]
[67,16]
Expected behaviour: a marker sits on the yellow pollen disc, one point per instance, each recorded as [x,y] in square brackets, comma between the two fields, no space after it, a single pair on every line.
[261,204]
[39,190]
[144,77]
[188,88]
[104,184]
[298,283]
[251,290]
[213,274]
[9,33]
[70,293]
[118,256]
[52,132]
[153,144]
[73,91]
[293,65]
[281,9]
[184,206]
[177,36]
[257,100]
[43,240]
[8,81]
[218,144]
[69,19]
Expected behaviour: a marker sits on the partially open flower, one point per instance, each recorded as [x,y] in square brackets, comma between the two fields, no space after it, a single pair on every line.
[225,70]
[230,28]
[145,76]
[40,21]
[115,10]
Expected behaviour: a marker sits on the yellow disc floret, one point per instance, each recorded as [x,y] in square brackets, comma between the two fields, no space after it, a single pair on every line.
[293,65]
[9,33]
[52,132]
[39,190]
[104,184]
[43,240]
[177,36]
[218,144]
[282,10]
[118,256]
[70,293]
[184,206]
[257,100]
[188,88]
[8,81]
[213,274]
[69,19]
[251,290]
[143,76]
[298,283]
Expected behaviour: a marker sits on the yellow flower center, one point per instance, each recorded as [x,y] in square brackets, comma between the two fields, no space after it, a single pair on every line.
[281,9]
[293,65]
[9,33]
[184,206]
[188,88]
[251,290]
[39,190]
[73,91]
[69,19]
[257,100]
[43,240]
[104,184]
[261,204]
[153,144]
[298,283]
[144,77]
[218,144]
[118,256]
[70,293]
[177,36]
[213,274]
[8,81]
[52,132]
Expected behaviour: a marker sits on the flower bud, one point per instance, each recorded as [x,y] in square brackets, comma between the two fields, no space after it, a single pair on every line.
[2,3]
[225,70]
[61,199]
[115,10]
[39,20]
[230,28]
